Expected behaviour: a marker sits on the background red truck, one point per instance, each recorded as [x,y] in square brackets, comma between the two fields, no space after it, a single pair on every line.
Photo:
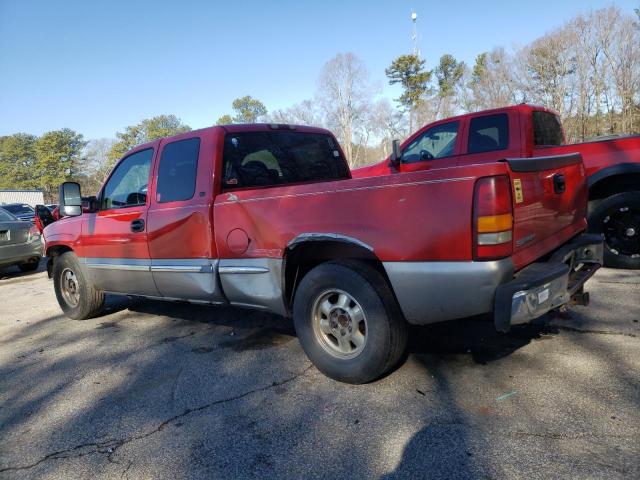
[268,217]
[613,164]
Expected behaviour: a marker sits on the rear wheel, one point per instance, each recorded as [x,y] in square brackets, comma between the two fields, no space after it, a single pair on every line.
[618,218]
[29,266]
[76,295]
[348,323]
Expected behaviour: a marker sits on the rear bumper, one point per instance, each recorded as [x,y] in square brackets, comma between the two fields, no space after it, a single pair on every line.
[544,286]
[20,252]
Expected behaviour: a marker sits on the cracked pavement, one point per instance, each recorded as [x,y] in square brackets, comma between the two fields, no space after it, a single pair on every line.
[158,390]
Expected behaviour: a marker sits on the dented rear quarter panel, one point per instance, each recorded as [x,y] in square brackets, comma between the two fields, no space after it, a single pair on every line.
[410,217]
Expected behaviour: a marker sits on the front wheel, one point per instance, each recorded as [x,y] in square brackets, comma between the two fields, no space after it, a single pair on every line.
[348,323]
[618,218]
[76,295]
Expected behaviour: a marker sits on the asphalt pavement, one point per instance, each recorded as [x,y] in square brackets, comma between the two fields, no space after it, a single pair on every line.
[161,390]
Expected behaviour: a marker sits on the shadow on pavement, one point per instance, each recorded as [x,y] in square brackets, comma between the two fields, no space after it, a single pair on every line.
[12,272]
[149,367]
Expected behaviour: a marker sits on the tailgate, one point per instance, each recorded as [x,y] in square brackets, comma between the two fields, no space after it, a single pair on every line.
[549,204]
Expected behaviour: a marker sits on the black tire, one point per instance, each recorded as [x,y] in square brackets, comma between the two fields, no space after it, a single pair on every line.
[385,328]
[88,300]
[29,266]
[618,218]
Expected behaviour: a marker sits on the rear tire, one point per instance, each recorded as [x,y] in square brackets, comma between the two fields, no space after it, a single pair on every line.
[75,293]
[348,322]
[29,266]
[618,218]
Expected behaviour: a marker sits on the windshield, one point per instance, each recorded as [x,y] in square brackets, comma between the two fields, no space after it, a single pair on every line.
[19,209]
[6,216]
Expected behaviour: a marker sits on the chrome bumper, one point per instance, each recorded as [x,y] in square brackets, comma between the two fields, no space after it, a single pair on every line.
[544,286]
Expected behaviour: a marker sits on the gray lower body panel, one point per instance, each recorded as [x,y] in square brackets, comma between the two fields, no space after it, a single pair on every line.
[191,279]
[430,292]
[121,275]
[246,282]
[253,282]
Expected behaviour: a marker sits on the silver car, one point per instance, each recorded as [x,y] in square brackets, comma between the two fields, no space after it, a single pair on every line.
[20,243]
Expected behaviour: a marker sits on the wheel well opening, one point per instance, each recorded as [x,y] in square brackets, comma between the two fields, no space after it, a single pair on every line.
[52,253]
[307,255]
[623,182]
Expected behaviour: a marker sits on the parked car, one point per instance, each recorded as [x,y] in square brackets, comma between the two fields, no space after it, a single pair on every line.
[23,211]
[612,163]
[52,206]
[268,217]
[20,243]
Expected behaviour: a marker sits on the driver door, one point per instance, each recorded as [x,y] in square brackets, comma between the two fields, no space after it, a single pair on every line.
[114,239]
[437,147]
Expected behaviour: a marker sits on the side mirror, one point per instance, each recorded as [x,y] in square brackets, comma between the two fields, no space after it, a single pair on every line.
[70,202]
[396,155]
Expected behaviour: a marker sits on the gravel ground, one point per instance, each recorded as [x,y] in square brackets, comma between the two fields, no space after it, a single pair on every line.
[161,390]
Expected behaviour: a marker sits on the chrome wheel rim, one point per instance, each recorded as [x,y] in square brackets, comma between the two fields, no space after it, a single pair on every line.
[339,324]
[69,287]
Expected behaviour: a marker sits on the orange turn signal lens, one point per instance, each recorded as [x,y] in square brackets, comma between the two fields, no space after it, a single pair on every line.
[495,223]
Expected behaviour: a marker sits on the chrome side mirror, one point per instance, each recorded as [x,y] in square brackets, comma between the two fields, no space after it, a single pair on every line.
[70,202]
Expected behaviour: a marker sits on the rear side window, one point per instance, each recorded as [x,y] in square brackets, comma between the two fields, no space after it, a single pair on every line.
[547,129]
[178,170]
[19,209]
[259,159]
[488,133]
[6,216]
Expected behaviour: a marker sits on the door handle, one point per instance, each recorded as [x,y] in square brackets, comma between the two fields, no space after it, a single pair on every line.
[559,184]
[137,225]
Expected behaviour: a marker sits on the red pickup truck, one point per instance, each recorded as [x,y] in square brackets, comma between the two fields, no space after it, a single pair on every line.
[613,164]
[268,217]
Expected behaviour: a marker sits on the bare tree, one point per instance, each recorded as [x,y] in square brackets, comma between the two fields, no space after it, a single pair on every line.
[623,59]
[95,164]
[493,81]
[343,95]
[303,113]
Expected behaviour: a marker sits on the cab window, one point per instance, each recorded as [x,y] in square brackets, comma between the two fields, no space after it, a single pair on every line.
[547,129]
[488,133]
[437,142]
[178,170]
[127,186]
[262,159]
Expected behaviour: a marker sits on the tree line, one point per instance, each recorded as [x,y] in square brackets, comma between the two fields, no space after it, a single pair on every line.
[588,70]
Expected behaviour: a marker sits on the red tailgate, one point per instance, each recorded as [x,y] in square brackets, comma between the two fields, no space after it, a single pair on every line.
[550,204]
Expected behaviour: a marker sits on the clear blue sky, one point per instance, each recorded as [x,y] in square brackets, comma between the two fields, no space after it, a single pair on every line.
[98,66]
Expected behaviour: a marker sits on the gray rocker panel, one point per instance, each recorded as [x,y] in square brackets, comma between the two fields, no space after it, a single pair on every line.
[121,275]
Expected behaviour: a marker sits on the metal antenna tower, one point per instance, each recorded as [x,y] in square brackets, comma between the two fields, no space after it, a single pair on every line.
[414,34]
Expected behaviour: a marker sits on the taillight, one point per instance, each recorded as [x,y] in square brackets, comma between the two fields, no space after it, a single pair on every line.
[33,233]
[492,218]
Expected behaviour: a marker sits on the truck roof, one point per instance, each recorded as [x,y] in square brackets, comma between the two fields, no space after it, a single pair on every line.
[237,128]
[522,107]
